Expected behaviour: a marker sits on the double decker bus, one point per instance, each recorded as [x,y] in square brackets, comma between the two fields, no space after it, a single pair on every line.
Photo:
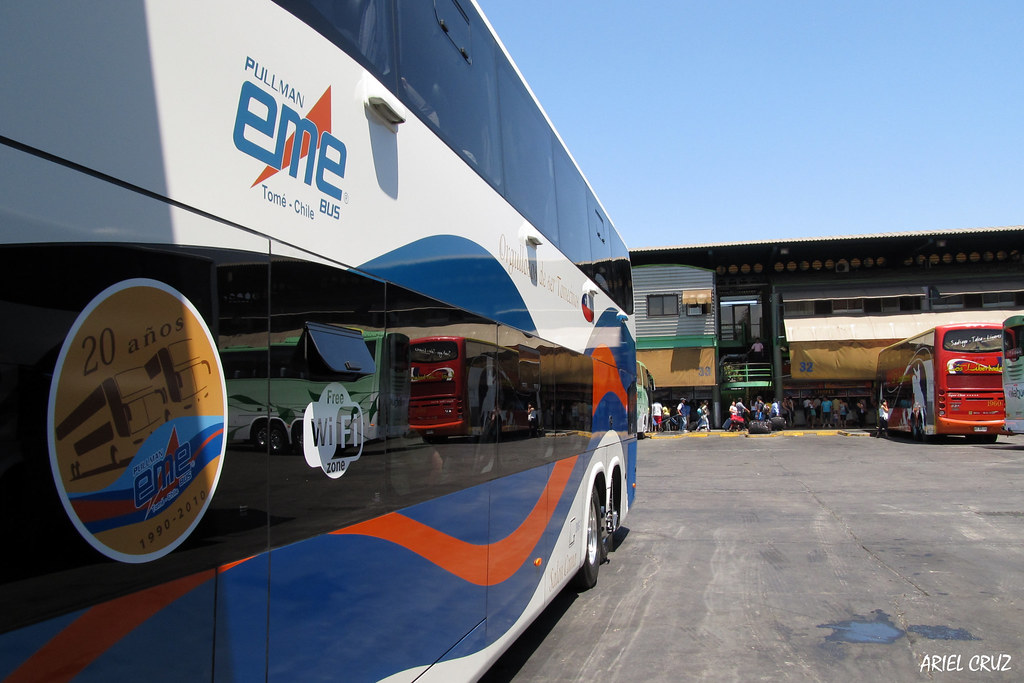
[468,387]
[1013,373]
[192,190]
[945,381]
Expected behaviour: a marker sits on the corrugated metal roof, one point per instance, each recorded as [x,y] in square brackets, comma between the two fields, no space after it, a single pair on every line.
[841,238]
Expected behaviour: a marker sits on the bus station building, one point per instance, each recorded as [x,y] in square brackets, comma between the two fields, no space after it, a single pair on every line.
[808,317]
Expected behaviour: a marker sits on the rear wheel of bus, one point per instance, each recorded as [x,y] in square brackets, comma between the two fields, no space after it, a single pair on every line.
[596,548]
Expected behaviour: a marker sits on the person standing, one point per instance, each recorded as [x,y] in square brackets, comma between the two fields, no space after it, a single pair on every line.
[883,419]
[656,415]
[684,412]
[757,351]
[826,412]
[862,413]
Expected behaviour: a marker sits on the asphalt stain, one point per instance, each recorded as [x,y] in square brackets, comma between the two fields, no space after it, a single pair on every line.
[880,629]
[942,632]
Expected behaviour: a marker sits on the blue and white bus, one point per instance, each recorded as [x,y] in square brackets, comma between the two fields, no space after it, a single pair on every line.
[184,180]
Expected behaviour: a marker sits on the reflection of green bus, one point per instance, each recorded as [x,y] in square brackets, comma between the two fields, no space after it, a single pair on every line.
[268,391]
[644,391]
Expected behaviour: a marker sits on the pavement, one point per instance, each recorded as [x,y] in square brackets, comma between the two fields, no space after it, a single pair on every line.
[795,431]
[800,559]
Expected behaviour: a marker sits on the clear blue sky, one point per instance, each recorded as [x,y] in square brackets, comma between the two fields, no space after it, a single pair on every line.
[738,120]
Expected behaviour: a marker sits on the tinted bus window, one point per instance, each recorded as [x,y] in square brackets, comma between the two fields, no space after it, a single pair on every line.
[573,232]
[362,28]
[452,86]
[529,168]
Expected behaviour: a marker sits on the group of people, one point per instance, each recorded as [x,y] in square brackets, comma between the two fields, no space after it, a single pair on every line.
[680,418]
[836,413]
[817,412]
[740,415]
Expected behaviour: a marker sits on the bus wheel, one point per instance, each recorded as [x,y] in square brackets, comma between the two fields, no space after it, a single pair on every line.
[276,436]
[586,577]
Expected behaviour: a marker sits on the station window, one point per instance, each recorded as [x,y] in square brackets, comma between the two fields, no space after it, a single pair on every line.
[999,300]
[847,306]
[662,305]
[944,303]
[795,309]
[696,309]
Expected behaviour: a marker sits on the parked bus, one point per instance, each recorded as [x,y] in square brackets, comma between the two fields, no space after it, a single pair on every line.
[374,368]
[468,387]
[189,189]
[1013,373]
[945,381]
[644,392]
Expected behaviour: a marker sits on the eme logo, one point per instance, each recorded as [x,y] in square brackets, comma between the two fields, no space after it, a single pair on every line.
[281,138]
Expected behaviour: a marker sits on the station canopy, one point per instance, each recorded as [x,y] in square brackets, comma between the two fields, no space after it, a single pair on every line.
[847,347]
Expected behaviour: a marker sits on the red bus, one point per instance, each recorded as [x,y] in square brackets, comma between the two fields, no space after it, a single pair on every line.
[947,380]
[468,387]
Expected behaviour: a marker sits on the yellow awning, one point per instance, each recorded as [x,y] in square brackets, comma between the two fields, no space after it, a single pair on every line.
[690,367]
[830,360]
[884,327]
[696,296]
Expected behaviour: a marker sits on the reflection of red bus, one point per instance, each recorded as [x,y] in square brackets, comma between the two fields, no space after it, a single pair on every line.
[468,387]
[947,380]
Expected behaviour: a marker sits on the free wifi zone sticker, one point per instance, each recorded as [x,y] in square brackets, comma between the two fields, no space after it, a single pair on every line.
[136,420]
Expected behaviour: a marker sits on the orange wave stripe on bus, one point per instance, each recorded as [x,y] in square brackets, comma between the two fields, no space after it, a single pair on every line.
[483,565]
[606,376]
[99,628]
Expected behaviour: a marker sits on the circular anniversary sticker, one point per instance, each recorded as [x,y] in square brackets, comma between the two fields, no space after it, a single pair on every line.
[136,420]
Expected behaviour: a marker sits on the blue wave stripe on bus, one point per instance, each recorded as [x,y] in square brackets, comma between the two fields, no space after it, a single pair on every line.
[336,598]
[389,594]
[459,272]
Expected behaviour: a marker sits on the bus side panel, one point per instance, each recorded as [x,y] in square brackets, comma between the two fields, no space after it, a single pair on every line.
[365,603]
[907,375]
[1013,373]
[241,635]
[167,629]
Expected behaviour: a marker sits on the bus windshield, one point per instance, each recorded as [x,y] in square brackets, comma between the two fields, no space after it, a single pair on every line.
[973,341]
[434,352]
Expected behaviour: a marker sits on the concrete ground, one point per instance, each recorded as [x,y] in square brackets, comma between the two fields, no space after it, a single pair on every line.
[804,556]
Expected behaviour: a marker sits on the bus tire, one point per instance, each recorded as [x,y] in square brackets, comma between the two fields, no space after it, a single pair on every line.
[596,547]
[275,438]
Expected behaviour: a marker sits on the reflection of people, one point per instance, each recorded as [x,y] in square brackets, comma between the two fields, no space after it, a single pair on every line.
[917,421]
[532,419]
